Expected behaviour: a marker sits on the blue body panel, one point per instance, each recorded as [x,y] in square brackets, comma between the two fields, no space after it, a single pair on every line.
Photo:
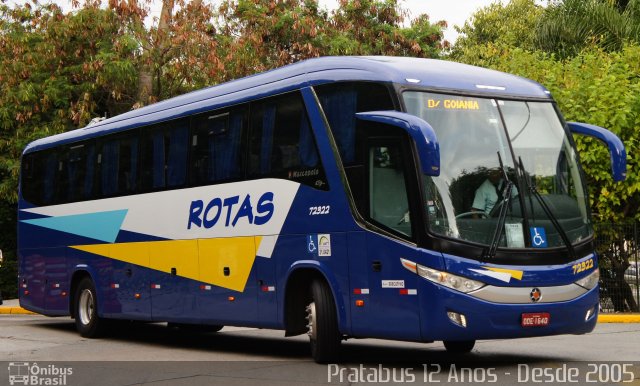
[413,310]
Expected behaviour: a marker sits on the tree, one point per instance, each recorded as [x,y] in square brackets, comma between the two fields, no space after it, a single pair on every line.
[373,27]
[180,54]
[263,34]
[508,25]
[257,35]
[57,72]
[568,26]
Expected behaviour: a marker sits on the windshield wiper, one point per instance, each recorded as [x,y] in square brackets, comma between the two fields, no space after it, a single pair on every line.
[554,220]
[502,216]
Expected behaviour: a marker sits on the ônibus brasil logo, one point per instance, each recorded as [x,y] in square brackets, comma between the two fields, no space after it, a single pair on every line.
[25,373]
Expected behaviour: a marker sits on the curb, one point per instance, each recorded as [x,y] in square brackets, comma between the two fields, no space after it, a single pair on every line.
[606,318]
[15,311]
[619,318]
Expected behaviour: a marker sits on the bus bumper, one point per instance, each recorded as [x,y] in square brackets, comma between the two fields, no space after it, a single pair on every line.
[487,320]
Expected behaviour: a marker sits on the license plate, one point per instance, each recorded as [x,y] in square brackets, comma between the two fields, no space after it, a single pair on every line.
[537,319]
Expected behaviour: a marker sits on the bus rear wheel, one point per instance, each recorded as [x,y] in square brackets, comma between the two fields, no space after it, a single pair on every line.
[459,346]
[322,324]
[88,323]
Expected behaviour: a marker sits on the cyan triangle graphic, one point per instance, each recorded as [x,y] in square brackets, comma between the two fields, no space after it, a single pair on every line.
[103,226]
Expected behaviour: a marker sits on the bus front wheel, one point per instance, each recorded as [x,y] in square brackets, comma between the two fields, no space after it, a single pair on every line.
[88,323]
[459,347]
[322,324]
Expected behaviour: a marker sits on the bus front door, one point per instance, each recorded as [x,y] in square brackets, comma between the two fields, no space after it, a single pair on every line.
[389,292]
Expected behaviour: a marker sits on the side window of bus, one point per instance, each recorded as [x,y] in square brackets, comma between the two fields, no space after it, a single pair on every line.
[118,160]
[29,189]
[38,177]
[282,144]
[216,147]
[76,173]
[388,199]
[163,155]
[340,103]
[49,166]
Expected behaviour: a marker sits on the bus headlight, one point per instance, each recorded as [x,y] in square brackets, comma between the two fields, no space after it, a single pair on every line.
[449,280]
[590,280]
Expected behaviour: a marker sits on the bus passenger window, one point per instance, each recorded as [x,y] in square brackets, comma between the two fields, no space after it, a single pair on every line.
[49,167]
[216,147]
[78,173]
[388,204]
[38,177]
[282,144]
[340,103]
[119,166]
[164,156]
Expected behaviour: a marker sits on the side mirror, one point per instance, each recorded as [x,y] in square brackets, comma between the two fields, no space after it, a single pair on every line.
[420,131]
[616,147]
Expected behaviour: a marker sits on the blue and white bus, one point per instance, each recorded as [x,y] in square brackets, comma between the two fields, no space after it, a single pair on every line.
[339,197]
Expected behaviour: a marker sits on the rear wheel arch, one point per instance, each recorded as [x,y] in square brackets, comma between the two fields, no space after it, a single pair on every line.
[311,307]
[298,295]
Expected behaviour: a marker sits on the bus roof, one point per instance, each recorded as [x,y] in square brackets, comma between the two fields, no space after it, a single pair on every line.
[412,72]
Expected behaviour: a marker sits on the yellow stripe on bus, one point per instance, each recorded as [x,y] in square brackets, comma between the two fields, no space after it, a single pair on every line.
[514,273]
[203,260]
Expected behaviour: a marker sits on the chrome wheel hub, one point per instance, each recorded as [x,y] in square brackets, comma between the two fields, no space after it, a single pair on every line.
[311,320]
[86,307]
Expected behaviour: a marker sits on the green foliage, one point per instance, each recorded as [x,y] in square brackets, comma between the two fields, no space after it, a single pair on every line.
[566,27]
[56,72]
[499,24]
[375,27]
[262,34]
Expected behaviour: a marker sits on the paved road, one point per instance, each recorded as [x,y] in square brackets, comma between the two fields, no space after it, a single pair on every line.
[241,356]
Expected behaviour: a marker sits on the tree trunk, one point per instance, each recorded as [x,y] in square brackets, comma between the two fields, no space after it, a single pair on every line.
[145,77]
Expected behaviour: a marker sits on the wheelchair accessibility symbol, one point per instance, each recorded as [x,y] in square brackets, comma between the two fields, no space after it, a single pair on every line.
[311,244]
[538,237]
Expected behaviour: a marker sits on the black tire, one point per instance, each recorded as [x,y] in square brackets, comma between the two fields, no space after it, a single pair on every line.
[323,332]
[459,347]
[88,323]
[195,328]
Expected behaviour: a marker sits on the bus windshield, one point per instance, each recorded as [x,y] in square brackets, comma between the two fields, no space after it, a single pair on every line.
[497,153]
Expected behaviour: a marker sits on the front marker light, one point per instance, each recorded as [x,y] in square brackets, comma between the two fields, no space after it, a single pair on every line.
[590,280]
[449,280]
[590,313]
[457,318]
